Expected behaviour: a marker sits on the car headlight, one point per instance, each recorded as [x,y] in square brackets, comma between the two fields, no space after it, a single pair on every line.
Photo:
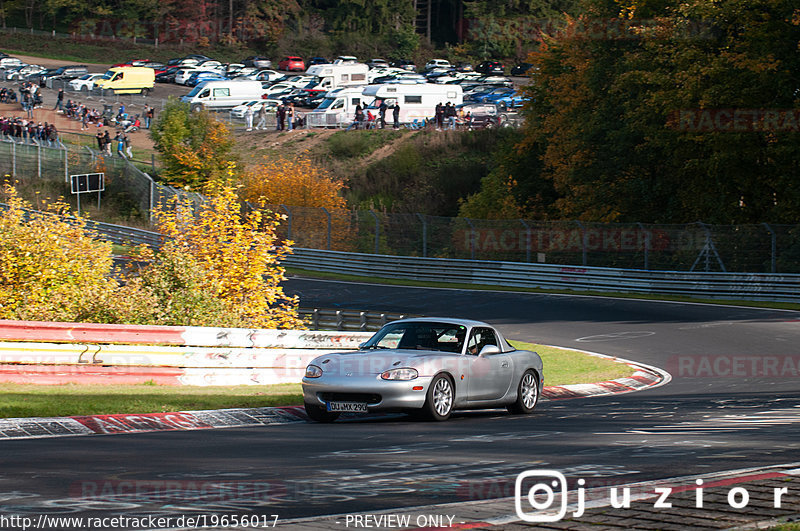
[312,371]
[400,374]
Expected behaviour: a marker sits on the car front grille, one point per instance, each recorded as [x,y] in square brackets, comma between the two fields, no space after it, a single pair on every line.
[369,398]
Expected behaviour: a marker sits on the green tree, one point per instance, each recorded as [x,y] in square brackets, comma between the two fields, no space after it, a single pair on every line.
[195,147]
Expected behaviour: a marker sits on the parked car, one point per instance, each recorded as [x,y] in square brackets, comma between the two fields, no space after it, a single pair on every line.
[481,116]
[265,75]
[84,83]
[10,62]
[491,67]
[168,75]
[437,63]
[464,67]
[292,63]
[318,61]
[257,61]
[405,64]
[239,110]
[133,62]
[506,101]
[424,365]
[521,69]
[22,72]
[202,76]
[377,63]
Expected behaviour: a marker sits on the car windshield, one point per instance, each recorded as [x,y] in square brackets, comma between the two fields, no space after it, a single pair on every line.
[445,337]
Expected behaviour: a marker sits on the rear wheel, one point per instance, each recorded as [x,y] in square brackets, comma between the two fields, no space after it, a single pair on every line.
[527,394]
[439,402]
[319,413]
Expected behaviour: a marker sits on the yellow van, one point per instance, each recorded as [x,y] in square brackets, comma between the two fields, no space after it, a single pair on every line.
[128,80]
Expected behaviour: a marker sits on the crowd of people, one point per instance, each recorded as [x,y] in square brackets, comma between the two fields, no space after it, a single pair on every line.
[27,130]
[23,130]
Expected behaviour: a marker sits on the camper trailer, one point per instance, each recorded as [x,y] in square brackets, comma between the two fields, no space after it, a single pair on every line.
[417,100]
[332,76]
[338,108]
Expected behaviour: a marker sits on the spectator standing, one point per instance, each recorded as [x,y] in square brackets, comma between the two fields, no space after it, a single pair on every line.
[450,113]
[101,143]
[439,116]
[281,117]
[262,117]
[151,114]
[107,142]
[248,118]
[382,108]
[359,115]
[396,115]
[128,148]
[290,116]
[60,100]
[120,144]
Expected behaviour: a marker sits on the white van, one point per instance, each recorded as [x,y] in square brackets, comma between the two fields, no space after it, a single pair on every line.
[332,76]
[417,101]
[220,95]
[338,108]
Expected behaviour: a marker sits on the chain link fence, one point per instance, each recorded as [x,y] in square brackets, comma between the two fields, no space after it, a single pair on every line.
[764,248]
[125,183]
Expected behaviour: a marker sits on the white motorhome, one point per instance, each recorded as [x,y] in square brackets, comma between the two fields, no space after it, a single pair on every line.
[333,76]
[417,100]
[338,108]
[220,95]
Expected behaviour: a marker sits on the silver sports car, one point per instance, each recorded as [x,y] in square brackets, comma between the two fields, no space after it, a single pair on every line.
[426,365]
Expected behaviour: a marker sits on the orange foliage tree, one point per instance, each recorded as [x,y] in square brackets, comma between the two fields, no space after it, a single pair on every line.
[305,189]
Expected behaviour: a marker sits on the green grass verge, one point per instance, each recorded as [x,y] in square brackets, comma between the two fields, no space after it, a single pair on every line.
[30,400]
[564,366]
[486,287]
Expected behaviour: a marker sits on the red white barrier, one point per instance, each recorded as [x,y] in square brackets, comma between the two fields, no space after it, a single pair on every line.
[178,335]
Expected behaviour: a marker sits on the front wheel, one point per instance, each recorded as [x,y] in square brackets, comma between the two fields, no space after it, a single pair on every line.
[320,414]
[439,402]
[527,394]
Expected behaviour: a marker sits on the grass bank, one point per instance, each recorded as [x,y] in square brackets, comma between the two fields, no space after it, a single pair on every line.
[28,400]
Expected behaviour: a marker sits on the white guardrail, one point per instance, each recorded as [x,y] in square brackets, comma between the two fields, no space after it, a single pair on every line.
[735,286]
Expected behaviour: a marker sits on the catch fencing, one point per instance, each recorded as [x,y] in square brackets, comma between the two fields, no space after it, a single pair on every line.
[768,248]
[124,181]
[755,248]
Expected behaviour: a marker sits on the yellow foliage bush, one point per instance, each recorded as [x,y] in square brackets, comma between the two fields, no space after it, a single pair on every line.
[295,182]
[240,255]
[50,268]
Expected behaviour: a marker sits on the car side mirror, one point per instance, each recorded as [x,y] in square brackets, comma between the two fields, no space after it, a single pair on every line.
[488,350]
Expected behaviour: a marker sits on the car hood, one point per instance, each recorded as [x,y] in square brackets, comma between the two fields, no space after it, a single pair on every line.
[374,362]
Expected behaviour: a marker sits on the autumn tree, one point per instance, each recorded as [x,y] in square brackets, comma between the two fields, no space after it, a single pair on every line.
[604,102]
[295,182]
[195,147]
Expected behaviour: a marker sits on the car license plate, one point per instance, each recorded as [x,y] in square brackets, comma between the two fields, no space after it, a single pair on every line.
[348,407]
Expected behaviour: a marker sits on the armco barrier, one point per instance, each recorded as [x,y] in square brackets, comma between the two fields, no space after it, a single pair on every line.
[736,286]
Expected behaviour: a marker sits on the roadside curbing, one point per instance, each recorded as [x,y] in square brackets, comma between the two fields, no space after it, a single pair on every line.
[645,377]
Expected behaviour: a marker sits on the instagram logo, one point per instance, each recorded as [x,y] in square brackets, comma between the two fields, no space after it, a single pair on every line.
[539,489]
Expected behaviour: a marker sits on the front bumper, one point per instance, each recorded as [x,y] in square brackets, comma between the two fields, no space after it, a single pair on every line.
[380,395]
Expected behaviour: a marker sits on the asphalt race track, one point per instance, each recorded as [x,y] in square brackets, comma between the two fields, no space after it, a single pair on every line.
[733,402]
